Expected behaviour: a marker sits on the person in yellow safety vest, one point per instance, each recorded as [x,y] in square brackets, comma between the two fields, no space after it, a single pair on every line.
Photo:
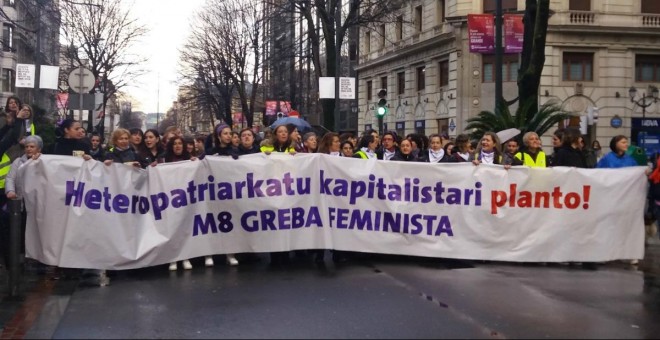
[282,140]
[367,147]
[532,156]
[13,148]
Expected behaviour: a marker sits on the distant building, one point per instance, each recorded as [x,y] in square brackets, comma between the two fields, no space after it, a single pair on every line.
[18,46]
[595,51]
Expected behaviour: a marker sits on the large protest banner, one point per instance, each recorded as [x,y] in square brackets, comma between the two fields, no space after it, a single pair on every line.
[87,215]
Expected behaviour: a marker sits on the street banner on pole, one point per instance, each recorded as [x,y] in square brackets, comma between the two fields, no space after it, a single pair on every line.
[346,88]
[327,88]
[25,75]
[514,31]
[481,31]
[85,214]
[49,77]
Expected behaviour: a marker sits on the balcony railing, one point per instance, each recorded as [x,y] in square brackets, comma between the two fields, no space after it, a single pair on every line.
[581,17]
[651,20]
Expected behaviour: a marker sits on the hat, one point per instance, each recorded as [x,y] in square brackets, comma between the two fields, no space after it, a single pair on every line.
[220,127]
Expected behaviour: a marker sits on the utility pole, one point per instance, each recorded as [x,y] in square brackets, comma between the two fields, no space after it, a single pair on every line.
[37,55]
[498,55]
[337,63]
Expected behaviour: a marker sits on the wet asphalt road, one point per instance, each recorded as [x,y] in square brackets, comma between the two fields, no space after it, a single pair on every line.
[376,297]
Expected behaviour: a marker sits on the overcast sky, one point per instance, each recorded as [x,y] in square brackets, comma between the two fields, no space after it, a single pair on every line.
[169,24]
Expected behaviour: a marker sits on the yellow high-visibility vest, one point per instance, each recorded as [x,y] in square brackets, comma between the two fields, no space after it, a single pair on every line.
[270,149]
[5,165]
[528,161]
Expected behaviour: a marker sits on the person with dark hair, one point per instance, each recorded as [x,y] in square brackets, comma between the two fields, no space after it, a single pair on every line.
[348,136]
[152,151]
[248,143]
[557,138]
[190,145]
[418,144]
[137,137]
[488,150]
[330,144]
[282,140]
[449,148]
[618,157]
[95,149]
[389,146]
[347,148]
[569,154]
[462,150]
[235,139]
[435,153]
[13,104]
[222,142]
[176,152]
[71,141]
[199,146]
[405,153]
[367,147]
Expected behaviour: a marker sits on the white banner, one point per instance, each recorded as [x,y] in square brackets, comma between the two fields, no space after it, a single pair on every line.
[25,75]
[88,215]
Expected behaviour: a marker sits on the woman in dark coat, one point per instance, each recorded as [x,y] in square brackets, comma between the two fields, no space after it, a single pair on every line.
[569,153]
[71,143]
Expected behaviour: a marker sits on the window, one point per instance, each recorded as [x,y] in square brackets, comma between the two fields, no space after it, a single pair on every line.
[440,11]
[509,68]
[578,66]
[507,5]
[579,5]
[7,38]
[443,72]
[418,18]
[381,31]
[401,82]
[651,6]
[7,80]
[367,42]
[421,81]
[399,28]
[383,83]
[369,93]
[9,3]
[647,67]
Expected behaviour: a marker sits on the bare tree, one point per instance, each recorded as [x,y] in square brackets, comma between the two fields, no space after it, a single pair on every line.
[223,56]
[328,23]
[101,35]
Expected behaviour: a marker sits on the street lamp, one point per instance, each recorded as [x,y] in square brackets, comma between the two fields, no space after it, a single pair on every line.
[642,102]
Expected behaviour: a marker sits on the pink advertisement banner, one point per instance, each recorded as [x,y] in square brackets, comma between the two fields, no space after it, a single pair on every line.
[513,33]
[481,28]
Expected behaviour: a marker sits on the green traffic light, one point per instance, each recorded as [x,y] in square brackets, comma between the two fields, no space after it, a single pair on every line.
[382,110]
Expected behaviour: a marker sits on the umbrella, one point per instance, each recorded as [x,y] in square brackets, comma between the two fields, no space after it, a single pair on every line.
[507,134]
[301,124]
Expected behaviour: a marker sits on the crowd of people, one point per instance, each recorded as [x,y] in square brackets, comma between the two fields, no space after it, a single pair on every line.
[142,149]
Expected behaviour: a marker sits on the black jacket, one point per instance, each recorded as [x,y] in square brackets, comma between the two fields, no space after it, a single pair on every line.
[568,156]
[66,146]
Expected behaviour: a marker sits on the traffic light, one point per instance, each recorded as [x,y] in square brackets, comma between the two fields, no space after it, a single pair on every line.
[381,110]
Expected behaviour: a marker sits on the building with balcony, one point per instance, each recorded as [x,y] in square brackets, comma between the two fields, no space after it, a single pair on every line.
[596,50]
